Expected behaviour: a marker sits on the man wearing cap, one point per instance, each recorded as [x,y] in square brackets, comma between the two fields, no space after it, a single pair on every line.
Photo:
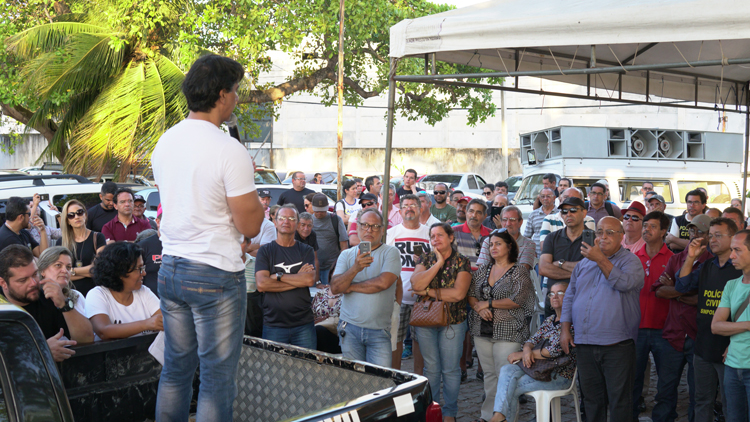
[461,204]
[139,208]
[152,255]
[469,236]
[442,210]
[367,200]
[632,223]
[680,324]
[654,256]
[265,200]
[598,206]
[331,233]
[677,238]
[296,195]
[709,280]
[124,227]
[555,222]
[562,249]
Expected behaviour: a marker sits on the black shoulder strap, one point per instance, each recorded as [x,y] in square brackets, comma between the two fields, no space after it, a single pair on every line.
[335,222]
[609,209]
[741,309]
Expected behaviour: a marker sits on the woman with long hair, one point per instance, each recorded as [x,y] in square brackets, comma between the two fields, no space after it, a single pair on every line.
[502,302]
[443,274]
[348,206]
[83,243]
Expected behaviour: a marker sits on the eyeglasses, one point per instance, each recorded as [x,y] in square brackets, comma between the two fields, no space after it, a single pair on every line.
[694,203]
[440,192]
[569,210]
[139,269]
[693,232]
[609,232]
[634,218]
[72,215]
[368,204]
[553,294]
[367,227]
[140,205]
[410,206]
[487,193]
[509,219]
[298,178]
[282,219]
[717,236]
[596,193]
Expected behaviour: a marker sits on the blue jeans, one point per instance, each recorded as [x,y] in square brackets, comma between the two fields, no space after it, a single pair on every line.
[325,276]
[365,344]
[669,364]
[302,336]
[513,382]
[204,318]
[737,391]
[441,349]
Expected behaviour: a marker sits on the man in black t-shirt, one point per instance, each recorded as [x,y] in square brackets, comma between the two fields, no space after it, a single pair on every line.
[55,313]
[152,256]
[296,195]
[103,213]
[284,272]
[17,220]
[410,184]
[305,234]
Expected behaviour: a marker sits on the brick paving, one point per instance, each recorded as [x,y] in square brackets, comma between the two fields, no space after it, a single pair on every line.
[470,398]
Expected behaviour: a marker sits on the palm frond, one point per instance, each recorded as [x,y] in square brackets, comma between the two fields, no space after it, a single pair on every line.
[47,38]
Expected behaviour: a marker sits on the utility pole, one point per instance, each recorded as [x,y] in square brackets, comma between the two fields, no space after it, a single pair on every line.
[340,132]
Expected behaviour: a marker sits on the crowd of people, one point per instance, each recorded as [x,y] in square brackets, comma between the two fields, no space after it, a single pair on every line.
[431,277]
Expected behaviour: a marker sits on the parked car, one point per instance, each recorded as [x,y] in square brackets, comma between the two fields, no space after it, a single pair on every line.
[117,381]
[514,182]
[129,180]
[329,177]
[46,169]
[466,182]
[266,176]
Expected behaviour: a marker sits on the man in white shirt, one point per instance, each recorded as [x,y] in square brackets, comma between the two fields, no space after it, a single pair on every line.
[205,179]
[425,217]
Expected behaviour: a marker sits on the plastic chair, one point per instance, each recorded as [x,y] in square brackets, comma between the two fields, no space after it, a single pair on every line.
[548,402]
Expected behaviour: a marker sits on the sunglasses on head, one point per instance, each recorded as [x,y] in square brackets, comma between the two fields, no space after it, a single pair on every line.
[72,215]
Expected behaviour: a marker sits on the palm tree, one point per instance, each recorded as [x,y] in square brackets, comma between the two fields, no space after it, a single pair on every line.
[111,92]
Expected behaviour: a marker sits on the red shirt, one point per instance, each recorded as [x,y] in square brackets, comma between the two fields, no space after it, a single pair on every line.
[654,309]
[115,230]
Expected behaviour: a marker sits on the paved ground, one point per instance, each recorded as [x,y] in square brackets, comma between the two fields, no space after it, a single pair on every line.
[470,399]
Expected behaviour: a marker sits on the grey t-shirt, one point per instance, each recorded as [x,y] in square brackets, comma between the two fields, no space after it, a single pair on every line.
[328,243]
[373,310]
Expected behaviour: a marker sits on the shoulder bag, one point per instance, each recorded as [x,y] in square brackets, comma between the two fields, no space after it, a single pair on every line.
[541,369]
[430,312]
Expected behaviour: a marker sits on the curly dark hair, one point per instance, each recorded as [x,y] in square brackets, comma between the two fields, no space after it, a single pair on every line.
[115,261]
[208,76]
[508,239]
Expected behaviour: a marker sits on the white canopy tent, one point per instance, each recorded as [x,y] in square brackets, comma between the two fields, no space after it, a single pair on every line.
[696,52]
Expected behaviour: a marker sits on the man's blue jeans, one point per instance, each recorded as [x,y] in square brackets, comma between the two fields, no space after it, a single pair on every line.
[365,344]
[325,276]
[737,392]
[513,382]
[441,349]
[204,317]
[669,363]
[302,336]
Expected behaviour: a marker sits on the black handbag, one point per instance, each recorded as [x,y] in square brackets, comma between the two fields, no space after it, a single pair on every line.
[541,369]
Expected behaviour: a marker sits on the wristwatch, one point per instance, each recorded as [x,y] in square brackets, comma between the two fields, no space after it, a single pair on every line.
[73,272]
[278,276]
[560,263]
[68,305]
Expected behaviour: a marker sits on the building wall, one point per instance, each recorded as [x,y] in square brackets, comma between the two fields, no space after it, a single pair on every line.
[25,153]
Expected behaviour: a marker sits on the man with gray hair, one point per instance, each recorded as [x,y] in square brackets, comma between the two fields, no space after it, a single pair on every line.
[367,279]
[425,202]
[534,225]
[470,235]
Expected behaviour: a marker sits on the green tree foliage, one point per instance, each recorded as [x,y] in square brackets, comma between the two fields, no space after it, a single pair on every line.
[100,79]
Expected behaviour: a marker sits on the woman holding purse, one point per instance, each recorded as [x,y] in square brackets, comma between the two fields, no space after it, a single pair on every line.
[544,344]
[445,275]
[502,302]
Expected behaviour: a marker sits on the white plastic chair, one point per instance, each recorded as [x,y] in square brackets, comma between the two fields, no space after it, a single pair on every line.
[548,402]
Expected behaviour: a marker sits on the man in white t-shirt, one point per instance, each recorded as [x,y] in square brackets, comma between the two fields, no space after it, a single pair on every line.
[205,179]
[408,237]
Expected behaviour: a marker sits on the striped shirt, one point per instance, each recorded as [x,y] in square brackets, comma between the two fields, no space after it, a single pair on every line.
[534,227]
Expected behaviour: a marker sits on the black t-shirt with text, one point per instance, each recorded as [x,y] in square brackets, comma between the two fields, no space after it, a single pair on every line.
[711,282]
[291,308]
[297,198]
[84,254]
[98,217]
[9,237]
[152,260]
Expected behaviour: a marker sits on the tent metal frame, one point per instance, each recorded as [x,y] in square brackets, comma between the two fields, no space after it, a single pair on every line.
[430,77]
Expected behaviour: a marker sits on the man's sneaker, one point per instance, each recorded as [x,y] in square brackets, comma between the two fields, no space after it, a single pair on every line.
[407,354]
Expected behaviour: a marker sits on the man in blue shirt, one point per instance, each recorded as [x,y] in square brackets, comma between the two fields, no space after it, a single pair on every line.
[602,302]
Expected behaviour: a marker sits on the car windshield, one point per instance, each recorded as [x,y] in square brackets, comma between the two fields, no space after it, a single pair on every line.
[452,180]
[514,182]
[529,189]
[263,177]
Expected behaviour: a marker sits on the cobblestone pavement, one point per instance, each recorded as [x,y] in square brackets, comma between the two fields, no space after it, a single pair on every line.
[470,398]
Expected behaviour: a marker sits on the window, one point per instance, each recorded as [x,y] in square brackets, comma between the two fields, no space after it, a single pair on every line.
[3,409]
[481,181]
[529,189]
[630,190]
[472,182]
[153,200]
[263,177]
[88,199]
[718,192]
[451,179]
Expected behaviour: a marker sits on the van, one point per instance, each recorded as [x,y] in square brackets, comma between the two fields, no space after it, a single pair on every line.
[675,161]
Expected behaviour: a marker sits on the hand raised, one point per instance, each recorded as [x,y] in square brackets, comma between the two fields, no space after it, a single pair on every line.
[363,260]
[696,249]
[53,292]
[593,253]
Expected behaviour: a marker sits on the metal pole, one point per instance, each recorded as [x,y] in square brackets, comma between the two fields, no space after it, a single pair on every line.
[340,129]
[389,143]
[504,135]
[747,145]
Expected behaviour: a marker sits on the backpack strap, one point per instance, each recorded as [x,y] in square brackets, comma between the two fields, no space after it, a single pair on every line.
[335,222]
[609,209]
[742,308]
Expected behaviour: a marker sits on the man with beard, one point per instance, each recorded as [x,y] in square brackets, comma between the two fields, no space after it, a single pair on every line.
[52,310]
[17,220]
[442,210]
[102,213]
[469,236]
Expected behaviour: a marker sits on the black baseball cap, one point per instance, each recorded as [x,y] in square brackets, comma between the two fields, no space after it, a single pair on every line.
[572,201]
[137,198]
[264,193]
[368,197]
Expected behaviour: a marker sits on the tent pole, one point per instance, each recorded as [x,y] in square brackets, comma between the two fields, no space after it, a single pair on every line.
[747,145]
[389,143]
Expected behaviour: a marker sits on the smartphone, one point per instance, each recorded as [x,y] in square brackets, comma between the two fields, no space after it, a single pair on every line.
[418,251]
[44,196]
[495,211]
[588,237]
[365,247]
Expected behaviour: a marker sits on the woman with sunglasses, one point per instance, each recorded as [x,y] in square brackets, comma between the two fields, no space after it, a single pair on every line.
[121,306]
[83,243]
[513,381]
[443,274]
[502,302]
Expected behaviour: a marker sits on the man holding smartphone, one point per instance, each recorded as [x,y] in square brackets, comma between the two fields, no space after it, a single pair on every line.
[367,278]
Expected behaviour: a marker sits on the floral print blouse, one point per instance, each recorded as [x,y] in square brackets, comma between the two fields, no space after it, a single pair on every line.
[507,324]
[551,331]
[446,278]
